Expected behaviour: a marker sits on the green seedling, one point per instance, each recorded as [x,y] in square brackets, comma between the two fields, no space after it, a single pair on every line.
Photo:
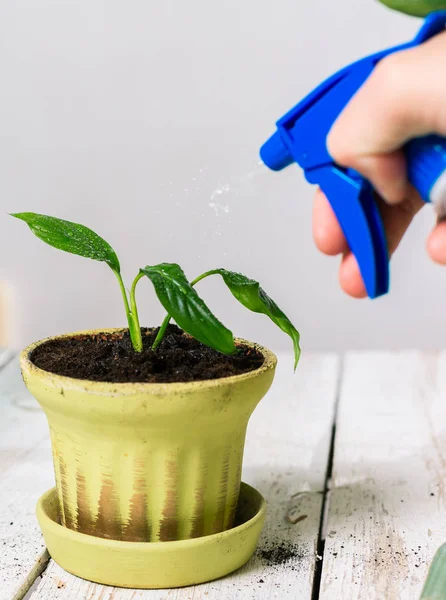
[177,295]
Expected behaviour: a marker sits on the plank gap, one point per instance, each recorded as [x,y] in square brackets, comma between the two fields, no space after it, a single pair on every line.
[32,579]
[387,502]
[320,546]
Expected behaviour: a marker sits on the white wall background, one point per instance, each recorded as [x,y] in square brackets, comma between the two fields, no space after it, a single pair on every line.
[127,116]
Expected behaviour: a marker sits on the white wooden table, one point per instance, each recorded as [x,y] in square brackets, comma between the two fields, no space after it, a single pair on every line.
[350,455]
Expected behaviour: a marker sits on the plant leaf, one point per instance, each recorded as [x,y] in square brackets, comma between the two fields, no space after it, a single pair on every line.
[249,293]
[70,237]
[186,307]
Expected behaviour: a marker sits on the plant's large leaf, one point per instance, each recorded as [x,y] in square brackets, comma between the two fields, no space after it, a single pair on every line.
[418,8]
[186,307]
[70,237]
[249,293]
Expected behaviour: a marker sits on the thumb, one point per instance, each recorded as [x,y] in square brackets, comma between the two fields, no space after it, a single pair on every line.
[402,99]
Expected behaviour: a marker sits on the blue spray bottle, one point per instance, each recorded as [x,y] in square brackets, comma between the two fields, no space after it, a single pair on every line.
[301,138]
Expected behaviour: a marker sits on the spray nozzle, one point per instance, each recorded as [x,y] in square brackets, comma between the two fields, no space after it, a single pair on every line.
[275,153]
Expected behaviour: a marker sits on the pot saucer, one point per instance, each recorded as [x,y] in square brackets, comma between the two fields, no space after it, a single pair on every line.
[150,565]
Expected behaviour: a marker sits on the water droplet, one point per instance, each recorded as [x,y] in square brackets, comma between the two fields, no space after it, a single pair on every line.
[219,208]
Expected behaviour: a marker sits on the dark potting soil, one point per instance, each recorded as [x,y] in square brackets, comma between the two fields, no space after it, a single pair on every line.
[110,357]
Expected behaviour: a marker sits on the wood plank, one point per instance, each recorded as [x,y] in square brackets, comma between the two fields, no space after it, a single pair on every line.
[387,511]
[26,472]
[286,453]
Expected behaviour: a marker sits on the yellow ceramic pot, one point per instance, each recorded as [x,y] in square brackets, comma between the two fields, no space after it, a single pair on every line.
[148,462]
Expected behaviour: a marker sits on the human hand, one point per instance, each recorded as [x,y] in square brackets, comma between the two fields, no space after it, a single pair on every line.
[404,98]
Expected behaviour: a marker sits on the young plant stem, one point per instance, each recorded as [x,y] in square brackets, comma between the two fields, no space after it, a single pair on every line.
[132,313]
[137,337]
[203,276]
[161,332]
[165,323]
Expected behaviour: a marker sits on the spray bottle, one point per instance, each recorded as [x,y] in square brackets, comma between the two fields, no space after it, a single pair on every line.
[301,138]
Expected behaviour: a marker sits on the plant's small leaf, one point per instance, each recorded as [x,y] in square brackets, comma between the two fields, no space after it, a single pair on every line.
[70,237]
[435,585]
[186,307]
[249,293]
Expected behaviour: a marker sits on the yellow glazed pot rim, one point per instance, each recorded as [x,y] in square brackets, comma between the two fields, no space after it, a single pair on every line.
[125,389]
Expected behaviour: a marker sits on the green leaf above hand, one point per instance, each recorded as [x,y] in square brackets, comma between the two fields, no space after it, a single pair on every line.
[186,307]
[249,293]
[70,237]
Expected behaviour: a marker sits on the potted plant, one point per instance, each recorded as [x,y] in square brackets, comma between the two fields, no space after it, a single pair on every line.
[148,428]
